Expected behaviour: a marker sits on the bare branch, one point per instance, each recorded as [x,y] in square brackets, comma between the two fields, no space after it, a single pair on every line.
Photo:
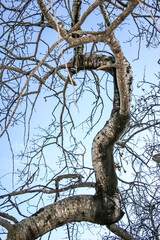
[120,232]
[5,224]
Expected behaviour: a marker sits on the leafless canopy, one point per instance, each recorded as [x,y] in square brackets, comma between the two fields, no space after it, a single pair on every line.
[63,75]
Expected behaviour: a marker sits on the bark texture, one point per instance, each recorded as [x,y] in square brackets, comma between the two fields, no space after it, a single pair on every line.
[104,208]
[73,209]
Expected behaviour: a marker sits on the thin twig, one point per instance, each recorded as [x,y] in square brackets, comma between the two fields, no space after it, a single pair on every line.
[69,75]
[144,6]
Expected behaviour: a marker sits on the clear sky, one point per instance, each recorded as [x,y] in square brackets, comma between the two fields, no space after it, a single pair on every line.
[147,64]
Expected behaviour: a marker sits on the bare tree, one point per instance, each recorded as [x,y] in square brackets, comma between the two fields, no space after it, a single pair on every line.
[49,53]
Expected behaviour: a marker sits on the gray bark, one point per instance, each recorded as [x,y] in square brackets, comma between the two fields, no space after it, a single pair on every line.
[103,208]
[120,232]
[73,209]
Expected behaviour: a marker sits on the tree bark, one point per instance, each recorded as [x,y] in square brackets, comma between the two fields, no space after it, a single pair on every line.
[104,208]
[120,232]
[73,209]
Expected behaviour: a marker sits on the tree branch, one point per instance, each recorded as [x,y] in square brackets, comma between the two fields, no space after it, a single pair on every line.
[50,20]
[131,6]
[5,224]
[120,232]
[7,216]
[85,15]
[73,209]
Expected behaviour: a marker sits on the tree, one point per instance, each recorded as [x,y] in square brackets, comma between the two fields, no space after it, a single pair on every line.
[49,53]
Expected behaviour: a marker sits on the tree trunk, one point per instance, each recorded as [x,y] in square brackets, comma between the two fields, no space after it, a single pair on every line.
[73,209]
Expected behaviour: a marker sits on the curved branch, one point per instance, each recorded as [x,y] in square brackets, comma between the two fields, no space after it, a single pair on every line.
[103,143]
[101,37]
[91,62]
[73,209]
[7,216]
[5,224]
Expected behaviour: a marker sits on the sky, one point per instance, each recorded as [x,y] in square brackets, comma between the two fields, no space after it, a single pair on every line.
[147,63]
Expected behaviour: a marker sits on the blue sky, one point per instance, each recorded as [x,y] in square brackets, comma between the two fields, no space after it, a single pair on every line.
[147,63]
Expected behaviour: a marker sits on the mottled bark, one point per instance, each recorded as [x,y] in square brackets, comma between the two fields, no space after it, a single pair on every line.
[103,208]
[78,50]
[91,62]
[76,10]
[73,209]
[102,149]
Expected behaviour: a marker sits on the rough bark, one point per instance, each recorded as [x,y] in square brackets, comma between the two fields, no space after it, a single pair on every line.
[91,62]
[73,209]
[103,208]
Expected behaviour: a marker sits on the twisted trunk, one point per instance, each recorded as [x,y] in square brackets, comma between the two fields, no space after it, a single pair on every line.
[103,208]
